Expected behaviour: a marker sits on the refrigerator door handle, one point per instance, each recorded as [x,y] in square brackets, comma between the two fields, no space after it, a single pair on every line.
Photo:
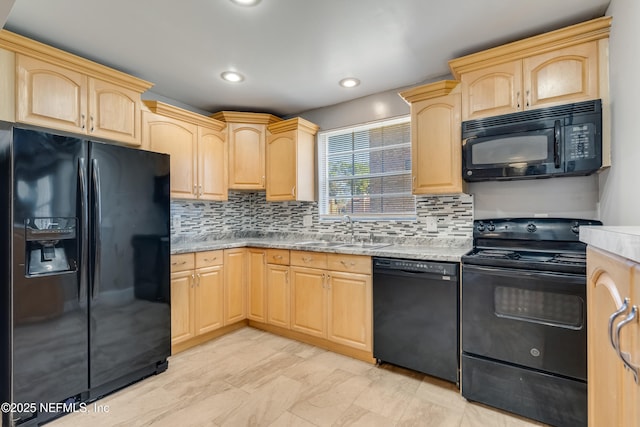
[97,221]
[84,227]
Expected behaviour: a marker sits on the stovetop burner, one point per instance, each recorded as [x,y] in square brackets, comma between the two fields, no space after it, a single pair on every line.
[497,253]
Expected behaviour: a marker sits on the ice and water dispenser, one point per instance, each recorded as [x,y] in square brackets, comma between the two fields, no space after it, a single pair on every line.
[51,246]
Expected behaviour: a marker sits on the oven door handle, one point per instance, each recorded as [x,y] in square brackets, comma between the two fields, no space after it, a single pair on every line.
[612,320]
[626,357]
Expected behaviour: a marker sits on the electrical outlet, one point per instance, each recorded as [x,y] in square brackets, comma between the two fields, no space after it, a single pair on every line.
[176,222]
[307,220]
[432,223]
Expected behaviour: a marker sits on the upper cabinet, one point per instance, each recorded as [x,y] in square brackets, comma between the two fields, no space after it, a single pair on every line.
[436,147]
[57,90]
[559,67]
[290,150]
[247,135]
[197,146]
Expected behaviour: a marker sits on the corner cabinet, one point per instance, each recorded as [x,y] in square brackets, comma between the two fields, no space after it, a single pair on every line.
[58,90]
[197,146]
[290,169]
[436,147]
[247,135]
[560,67]
[613,339]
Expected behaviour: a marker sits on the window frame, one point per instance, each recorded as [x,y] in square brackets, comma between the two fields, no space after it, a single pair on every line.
[323,173]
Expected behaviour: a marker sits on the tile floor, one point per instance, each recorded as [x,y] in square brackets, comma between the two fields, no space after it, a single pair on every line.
[254,378]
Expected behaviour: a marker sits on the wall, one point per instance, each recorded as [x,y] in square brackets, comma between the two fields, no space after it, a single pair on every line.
[619,196]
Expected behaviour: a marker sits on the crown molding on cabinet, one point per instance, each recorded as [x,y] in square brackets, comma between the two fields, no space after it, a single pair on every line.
[25,46]
[296,123]
[429,91]
[184,115]
[245,117]
[595,29]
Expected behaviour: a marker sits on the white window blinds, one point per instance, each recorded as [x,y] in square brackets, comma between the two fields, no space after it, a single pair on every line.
[365,171]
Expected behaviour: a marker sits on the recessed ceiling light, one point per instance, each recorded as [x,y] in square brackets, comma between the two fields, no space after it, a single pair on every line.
[349,82]
[246,2]
[232,76]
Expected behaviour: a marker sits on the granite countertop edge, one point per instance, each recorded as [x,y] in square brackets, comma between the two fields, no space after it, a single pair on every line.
[623,241]
[418,252]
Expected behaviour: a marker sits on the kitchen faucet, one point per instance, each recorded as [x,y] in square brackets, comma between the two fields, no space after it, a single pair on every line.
[348,219]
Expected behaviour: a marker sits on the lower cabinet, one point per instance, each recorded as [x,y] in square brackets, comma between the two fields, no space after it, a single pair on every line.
[614,394]
[207,294]
[331,297]
[235,307]
[324,299]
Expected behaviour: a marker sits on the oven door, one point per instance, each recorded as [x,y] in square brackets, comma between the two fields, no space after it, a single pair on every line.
[507,153]
[529,318]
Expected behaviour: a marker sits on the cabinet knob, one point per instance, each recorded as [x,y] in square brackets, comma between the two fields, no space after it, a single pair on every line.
[82,121]
[91,119]
[293,191]
[518,100]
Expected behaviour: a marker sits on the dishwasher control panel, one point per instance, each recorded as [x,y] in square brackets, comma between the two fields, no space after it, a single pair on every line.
[417,266]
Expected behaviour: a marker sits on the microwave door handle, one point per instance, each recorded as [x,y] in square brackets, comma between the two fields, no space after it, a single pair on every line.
[556,144]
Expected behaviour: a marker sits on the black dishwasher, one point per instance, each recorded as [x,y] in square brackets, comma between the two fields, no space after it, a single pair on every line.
[415,315]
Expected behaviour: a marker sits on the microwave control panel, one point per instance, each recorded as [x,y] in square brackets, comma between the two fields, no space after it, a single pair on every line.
[580,141]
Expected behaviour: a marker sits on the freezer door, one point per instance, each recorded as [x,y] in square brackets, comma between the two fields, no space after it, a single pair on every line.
[129,287]
[50,319]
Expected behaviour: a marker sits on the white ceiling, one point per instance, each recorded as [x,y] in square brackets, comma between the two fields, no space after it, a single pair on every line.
[292,52]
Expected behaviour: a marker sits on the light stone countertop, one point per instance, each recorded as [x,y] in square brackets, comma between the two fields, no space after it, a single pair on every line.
[623,241]
[419,252]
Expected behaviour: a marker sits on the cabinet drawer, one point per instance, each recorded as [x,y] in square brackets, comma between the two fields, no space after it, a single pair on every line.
[181,262]
[278,256]
[349,263]
[309,259]
[209,258]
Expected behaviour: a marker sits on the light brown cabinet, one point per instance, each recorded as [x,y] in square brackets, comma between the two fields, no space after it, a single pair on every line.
[207,295]
[246,135]
[290,170]
[436,148]
[331,297]
[257,284]
[559,67]
[196,294]
[614,394]
[235,299]
[197,146]
[57,90]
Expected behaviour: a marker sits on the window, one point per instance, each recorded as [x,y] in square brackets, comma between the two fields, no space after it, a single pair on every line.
[365,171]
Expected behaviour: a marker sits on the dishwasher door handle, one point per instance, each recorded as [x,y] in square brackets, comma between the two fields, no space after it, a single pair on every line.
[417,274]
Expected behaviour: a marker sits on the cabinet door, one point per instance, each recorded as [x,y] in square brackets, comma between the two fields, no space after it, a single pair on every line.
[182,300]
[561,76]
[309,301]
[436,145]
[51,96]
[256,285]
[212,165]
[609,280]
[492,91]
[281,166]
[114,112]
[208,299]
[234,285]
[179,139]
[246,156]
[349,309]
[278,295]
[631,345]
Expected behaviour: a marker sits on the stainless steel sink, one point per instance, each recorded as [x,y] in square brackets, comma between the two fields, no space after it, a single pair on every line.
[365,245]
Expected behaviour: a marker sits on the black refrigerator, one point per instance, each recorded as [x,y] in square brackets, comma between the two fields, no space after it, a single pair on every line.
[84,270]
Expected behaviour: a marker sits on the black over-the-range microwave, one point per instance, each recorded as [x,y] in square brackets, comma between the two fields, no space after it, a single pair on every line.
[556,141]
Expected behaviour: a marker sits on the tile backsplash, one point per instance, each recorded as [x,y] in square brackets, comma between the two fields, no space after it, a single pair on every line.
[246,212]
